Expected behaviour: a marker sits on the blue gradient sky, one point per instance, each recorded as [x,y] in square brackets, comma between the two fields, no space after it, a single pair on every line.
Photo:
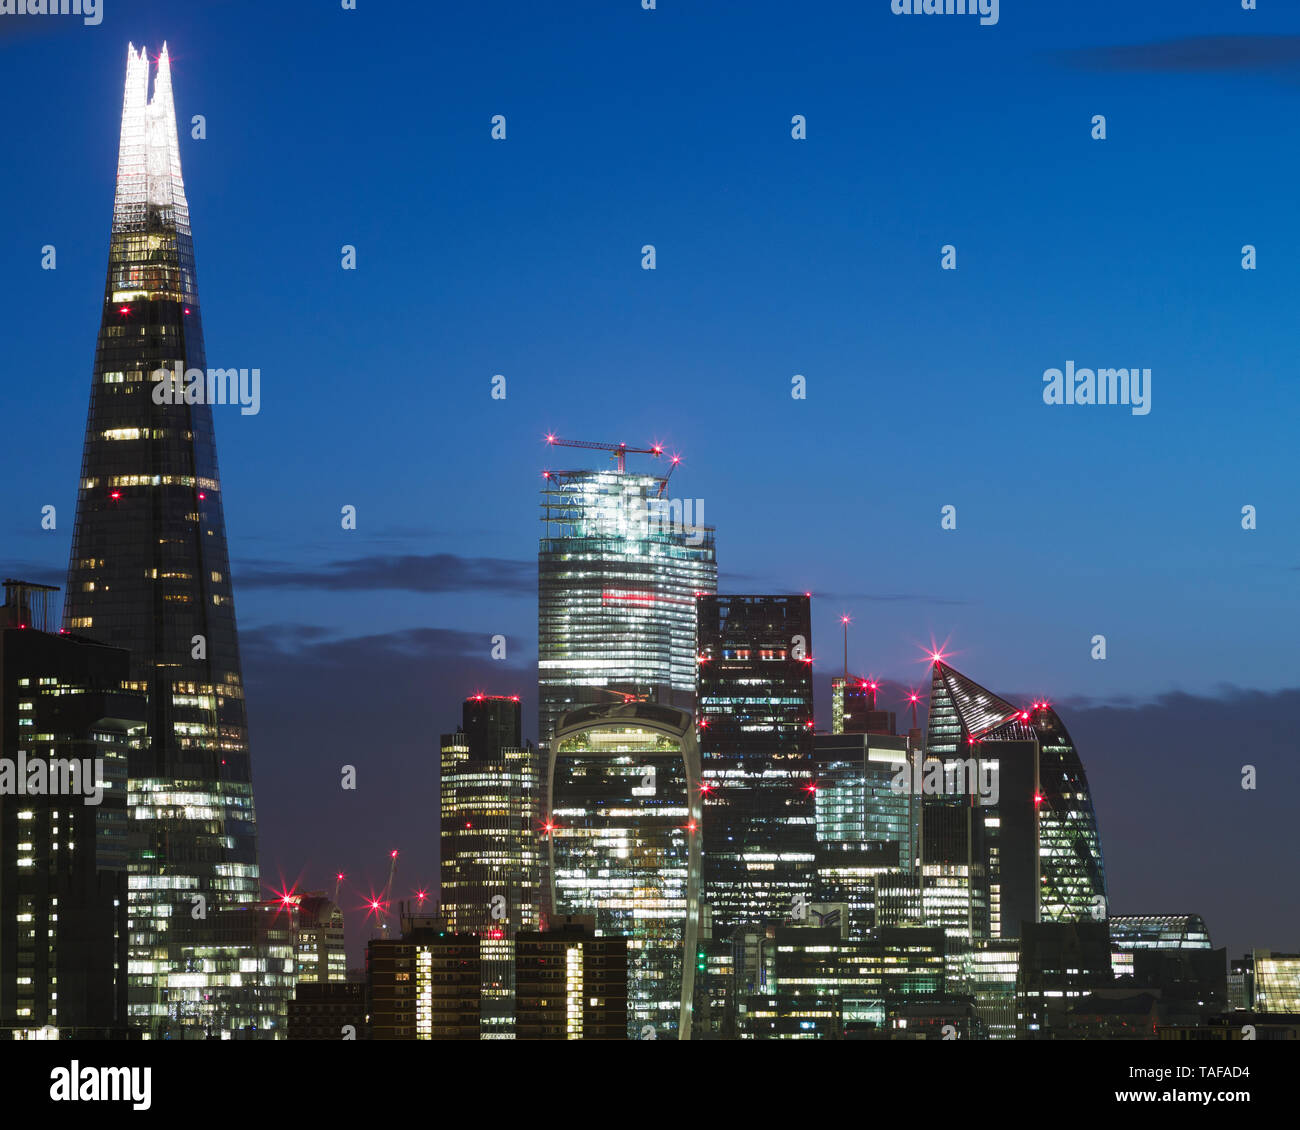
[775,257]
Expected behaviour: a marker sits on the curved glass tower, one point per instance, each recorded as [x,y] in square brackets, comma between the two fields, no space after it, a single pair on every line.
[1038,843]
[624,843]
[149,572]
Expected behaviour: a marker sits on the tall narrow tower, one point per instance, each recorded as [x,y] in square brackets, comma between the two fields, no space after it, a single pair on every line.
[149,573]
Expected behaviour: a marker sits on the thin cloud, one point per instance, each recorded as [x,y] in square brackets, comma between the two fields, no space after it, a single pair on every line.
[1210,54]
[426,573]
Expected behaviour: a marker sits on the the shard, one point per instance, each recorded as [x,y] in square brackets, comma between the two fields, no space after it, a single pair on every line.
[149,572]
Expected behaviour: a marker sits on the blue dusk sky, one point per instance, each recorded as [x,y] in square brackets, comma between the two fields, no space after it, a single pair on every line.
[775,257]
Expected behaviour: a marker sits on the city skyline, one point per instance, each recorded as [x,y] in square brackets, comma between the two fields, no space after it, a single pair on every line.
[365,638]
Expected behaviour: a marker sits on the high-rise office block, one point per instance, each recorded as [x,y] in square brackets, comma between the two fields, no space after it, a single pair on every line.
[571,982]
[67,729]
[865,826]
[1033,834]
[623,830]
[756,747]
[491,799]
[618,571]
[149,572]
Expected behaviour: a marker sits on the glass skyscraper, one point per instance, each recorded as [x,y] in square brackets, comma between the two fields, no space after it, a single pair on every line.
[149,573]
[618,570]
[624,848]
[756,746]
[1037,845]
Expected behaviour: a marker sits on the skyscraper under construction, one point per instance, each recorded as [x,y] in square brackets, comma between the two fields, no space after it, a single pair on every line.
[618,570]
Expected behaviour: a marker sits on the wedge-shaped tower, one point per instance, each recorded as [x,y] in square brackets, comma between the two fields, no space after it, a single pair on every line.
[149,573]
[1037,843]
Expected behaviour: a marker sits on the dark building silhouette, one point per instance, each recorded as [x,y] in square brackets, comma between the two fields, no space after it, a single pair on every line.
[755,719]
[326,1010]
[1060,963]
[67,730]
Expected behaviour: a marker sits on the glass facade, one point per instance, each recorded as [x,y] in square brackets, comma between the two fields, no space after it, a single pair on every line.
[1276,982]
[149,572]
[1066,882]
[624,848]
[617,581]
[865,827]
[756,747]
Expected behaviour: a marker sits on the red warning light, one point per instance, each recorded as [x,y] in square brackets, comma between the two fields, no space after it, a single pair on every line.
[115,495]
[124,310]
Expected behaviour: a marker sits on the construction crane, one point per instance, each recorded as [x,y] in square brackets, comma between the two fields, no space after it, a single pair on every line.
[379,904]
[619,453]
